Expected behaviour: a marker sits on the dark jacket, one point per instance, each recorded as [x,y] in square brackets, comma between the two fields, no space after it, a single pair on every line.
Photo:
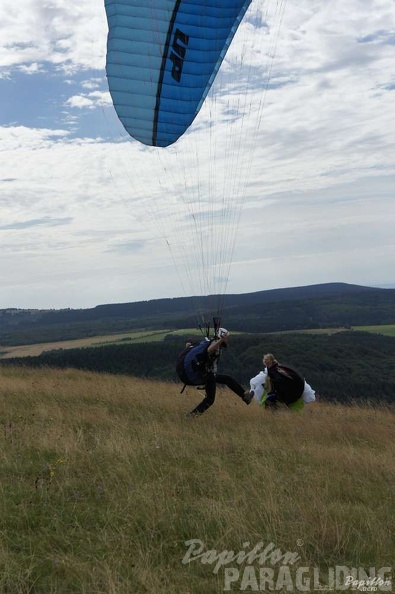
[286,383]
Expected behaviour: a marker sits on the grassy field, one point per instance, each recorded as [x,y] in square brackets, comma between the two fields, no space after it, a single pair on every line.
[104,480]
[387,330]
[32,350]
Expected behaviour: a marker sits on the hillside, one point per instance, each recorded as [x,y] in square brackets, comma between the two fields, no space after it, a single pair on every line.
[105,483]
[333,304]
[344,366]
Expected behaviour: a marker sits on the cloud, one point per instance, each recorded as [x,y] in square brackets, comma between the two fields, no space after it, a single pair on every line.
[90,100]
[92,83]
[21,137]
[126,246]
[382,37]
[44,222]
[296,138]
[70,35]
[33,68]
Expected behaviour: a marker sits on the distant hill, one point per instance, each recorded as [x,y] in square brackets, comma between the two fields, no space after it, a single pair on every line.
[344,366]
[314,306]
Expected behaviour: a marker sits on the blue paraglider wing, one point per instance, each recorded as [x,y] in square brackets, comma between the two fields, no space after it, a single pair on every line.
[162,58]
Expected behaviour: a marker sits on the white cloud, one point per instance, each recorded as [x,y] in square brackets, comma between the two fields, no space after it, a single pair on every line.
[21,137]
[32,68]
[90,100]
[71,35]
[84,221]
[80,101]
[93,83]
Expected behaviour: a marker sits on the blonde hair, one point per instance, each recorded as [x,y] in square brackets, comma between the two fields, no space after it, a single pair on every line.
[271,357]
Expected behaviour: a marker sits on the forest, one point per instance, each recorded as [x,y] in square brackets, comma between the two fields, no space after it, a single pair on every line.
[316,306]
[342,365]
[345,367]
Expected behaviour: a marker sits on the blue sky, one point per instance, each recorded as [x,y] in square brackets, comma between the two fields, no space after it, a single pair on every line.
[286,177]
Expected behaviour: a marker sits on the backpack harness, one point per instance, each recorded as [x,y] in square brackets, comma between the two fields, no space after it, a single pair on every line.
[192,362]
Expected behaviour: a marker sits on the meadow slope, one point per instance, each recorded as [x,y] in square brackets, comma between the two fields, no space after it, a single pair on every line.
[104,479]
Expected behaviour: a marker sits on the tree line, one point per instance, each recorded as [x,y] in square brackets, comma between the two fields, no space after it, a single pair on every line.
[317,306]
[345,366]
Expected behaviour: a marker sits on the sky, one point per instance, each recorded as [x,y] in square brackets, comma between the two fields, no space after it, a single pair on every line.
[286,177]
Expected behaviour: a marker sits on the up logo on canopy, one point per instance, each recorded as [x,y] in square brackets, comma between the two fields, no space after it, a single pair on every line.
[177,56]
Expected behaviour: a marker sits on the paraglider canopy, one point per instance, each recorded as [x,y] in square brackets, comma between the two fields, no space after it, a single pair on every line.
[162,58]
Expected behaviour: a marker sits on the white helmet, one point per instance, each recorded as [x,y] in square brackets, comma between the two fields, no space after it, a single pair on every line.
[222,333]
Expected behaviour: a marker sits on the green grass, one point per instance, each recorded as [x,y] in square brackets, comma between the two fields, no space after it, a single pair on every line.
[150,336]
[104,479]
[146,336]
[140,336]
[386,330]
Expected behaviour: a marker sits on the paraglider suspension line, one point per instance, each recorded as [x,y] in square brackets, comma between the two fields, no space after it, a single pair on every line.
[217,324]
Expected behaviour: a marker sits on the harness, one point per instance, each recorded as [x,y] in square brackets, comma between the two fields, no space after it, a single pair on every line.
[193,362]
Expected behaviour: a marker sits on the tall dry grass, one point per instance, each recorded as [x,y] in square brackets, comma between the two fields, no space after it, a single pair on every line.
[104,479]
